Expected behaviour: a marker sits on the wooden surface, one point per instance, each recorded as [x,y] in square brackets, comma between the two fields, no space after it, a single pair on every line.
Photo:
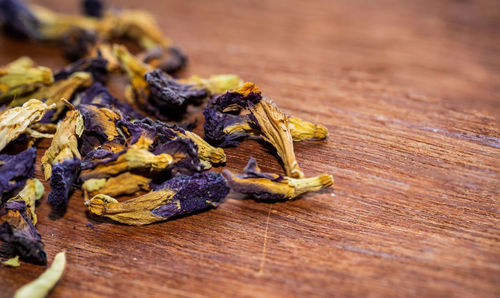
[415,206]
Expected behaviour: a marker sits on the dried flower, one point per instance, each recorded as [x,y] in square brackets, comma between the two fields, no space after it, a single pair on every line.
[168,97]
[136,157]
[15,170]
[32,192]
[15,121]
[267,186]
[61,161]
[178,196]
[21,77]
[40,287]
[19,232]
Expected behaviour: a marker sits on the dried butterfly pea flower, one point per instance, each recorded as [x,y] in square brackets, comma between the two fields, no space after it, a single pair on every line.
[228,130]
[136,157]
[64,145]
[32,191]
[15,170]
[168,97]
[61,161]
[273,126]
[21,77]
[17,20]
[267,186]
[178,196]
[268,120]
[15,121]
[40,287]
[206,153]
[19,232]
[62,181]
[123,184]
[158,93]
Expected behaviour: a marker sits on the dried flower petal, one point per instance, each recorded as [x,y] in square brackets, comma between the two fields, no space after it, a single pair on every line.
[266,186]
[40,287]
[15,170]
[64,145]
[61,161]
[181,195]
[19,232]
[64,175]
[273,125]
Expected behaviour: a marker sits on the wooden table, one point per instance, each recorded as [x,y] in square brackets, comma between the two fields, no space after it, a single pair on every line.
[415,206]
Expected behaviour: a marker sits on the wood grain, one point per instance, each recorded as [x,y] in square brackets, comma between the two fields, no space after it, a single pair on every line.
[415,206]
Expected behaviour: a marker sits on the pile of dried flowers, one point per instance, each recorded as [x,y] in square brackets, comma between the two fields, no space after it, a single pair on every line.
[110,148]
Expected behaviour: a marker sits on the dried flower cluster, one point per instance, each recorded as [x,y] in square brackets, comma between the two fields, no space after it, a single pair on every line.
[108,147]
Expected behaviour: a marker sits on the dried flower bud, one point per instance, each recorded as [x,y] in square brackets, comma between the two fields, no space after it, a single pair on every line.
[19,232]
[15,121]
[21,77]
[266,186]
[15,170]
[178,196]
